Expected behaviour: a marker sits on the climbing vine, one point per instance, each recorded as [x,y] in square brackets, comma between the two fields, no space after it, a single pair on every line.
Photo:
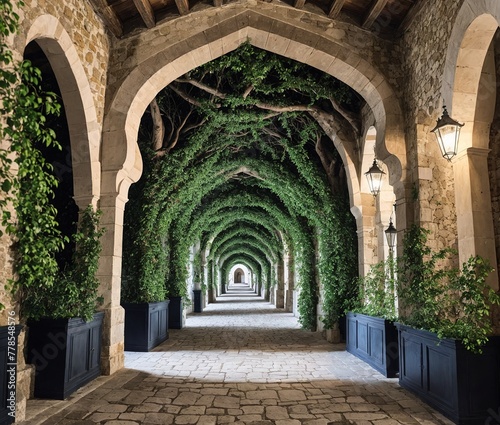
[27,179]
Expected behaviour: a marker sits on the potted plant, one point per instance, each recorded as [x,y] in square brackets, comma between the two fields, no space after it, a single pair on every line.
[198,290]
[370,331]
[176,295]
[447,355]
[64,340]
[146,315]
[145,302]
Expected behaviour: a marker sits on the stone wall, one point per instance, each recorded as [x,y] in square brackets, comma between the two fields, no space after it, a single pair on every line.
[87,33]
[424,48]
[92,44]
[88,36]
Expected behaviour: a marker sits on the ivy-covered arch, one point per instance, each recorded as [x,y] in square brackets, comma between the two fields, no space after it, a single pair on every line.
[129,96]
[265,273]
[247,260]
[245,164]
[238,232]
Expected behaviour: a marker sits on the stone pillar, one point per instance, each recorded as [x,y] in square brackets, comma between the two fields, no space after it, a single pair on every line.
[367,241]
[109,274]
[291,284]
[280,291]
[473,205]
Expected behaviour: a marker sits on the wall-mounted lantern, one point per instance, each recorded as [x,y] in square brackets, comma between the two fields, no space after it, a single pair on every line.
[447,132]
[374,177]
[391,235]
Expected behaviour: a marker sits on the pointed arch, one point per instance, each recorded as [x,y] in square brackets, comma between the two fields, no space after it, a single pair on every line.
[84,129]
[468,89]
[152,73]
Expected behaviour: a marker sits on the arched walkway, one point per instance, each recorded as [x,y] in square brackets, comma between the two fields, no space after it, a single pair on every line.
[242,360]
[136,81]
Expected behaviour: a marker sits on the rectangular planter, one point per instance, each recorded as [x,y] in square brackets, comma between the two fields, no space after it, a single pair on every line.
[375,341]
[175,313]
[7,370]
[197,301]
[463,386]
[146,325]
[66,354]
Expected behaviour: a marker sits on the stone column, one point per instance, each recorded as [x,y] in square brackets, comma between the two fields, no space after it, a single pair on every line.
[291,284]
[280,291]
[473,205]
[367,241]
[112,206]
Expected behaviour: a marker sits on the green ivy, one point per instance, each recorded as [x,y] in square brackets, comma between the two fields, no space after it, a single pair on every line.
[27,180]
[453,302]
[74,293]
[377,290]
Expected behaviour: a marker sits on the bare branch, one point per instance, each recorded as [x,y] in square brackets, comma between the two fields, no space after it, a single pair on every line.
[327,162]
[271,115]
[351,118]
[193,126]
[281,109]
[158,126]
[185,96]
[272,133]
[172,127]
[178,132]
[203,87]
[248,91]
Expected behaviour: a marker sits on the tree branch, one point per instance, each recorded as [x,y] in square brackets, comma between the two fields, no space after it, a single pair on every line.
[193,126]
[202,86]
[282,109]
[248,91]
[185,96]
[158,125]
[351,118]
[178,132]
[327,162]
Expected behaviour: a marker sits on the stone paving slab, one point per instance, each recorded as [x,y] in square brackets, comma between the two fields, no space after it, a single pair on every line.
[241,361]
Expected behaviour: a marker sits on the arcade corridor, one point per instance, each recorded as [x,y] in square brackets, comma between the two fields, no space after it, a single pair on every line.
[240,361]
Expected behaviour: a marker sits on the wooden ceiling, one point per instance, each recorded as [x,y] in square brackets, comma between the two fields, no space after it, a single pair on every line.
[388,17]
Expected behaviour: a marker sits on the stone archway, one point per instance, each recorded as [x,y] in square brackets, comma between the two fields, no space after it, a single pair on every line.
[464,89]
[84,129]
[239,276]
[145,71]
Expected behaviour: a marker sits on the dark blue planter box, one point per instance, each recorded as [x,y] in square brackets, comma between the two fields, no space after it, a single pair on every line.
[146,325]
[6,372]
[198,301]
[175,313]
[463,386]
[375,341]
[66,354]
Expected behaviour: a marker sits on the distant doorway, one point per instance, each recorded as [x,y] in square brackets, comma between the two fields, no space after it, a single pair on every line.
[239,276]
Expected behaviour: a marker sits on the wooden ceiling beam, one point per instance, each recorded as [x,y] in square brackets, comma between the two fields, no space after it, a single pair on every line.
[108,15]
[410,16]
[335,8]
[374,12]
[299,4]
[183,6]
[146,12]
[217,3]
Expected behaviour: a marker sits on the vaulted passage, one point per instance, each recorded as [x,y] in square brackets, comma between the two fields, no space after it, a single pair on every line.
[242,361]
[258,170]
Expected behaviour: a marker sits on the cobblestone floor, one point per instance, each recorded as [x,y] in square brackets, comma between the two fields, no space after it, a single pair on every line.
[241,361]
